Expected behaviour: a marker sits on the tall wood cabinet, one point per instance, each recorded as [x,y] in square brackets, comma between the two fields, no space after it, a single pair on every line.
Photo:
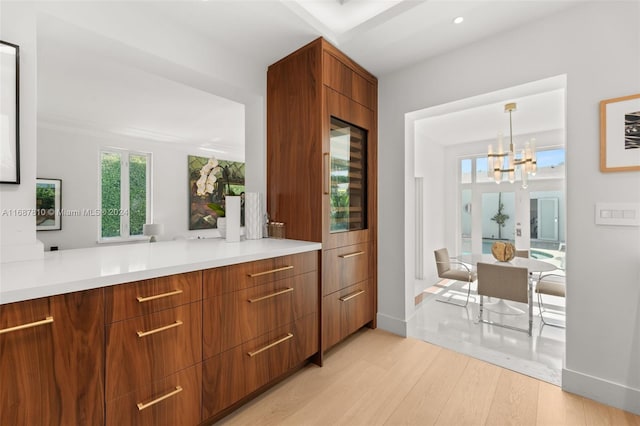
[322,175]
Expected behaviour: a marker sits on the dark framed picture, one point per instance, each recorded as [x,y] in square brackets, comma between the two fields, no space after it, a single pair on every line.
[48,204]
[620,134]
[9,113]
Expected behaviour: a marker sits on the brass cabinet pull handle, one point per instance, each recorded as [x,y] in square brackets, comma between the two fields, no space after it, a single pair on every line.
[272,271]
[158,330]
[142,405]
[346,256]
[142,299]
[351,296]
[327,169]
[47,320]
[268,296]
[269,346]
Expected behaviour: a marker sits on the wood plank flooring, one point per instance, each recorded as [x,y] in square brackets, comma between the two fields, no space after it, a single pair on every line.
[377,378]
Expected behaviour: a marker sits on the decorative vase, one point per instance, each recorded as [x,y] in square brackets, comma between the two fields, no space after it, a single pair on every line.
[503,251]
[221,223]
[232,213]
[253,216]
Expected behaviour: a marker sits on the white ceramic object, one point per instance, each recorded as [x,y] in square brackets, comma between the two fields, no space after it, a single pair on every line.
[253,216]
[232,214]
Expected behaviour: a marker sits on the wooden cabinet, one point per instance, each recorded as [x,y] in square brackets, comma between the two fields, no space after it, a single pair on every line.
[260,320]
[153,295]
[322,167]
[236,373]
[51,357]
[345,311]
[147,348]
[174,400]
[164,351]
[154,351]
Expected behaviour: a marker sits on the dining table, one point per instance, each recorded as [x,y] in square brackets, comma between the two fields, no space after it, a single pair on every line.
[532,265]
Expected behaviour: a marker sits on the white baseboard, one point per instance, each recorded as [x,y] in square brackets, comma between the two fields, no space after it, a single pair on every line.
[392,325]
[600,390]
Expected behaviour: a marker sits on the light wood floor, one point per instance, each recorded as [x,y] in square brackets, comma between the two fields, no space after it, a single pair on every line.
[377,378]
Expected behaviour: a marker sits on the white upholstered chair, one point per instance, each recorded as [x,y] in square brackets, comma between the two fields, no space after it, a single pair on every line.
[460,272]
[504,282]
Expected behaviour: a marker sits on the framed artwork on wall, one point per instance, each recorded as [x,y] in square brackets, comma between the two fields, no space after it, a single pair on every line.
[48,204]
[9,113]
[210,181]
[620,134]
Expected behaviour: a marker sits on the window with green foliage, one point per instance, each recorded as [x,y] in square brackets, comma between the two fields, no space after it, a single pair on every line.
[125,205]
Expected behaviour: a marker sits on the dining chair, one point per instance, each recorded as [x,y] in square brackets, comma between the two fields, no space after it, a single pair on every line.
[552,285]
[504,282]
[522,253]
[462,272]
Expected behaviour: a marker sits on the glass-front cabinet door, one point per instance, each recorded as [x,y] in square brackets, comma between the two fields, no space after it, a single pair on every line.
[348,177]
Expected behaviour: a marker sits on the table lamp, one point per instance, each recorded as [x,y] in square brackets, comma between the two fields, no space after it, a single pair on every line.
[152,230]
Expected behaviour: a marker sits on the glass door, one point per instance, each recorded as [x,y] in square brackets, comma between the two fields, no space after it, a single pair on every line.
[498,218]
[348,177]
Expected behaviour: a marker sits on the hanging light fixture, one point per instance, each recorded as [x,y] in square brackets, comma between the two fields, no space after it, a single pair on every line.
[496,160]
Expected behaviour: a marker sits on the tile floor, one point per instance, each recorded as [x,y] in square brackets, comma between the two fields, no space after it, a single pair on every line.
[453,327]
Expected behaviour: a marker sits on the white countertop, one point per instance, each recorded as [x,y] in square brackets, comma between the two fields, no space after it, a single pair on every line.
[82,269]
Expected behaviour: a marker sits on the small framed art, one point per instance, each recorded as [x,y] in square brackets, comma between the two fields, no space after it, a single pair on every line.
[48,202]
[620,134]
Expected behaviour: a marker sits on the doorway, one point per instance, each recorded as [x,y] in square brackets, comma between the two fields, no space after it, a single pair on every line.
[465,210]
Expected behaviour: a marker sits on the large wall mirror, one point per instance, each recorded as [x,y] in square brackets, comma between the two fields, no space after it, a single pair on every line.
[120,137]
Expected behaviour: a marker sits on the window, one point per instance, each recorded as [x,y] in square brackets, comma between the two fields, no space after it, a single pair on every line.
[465,171]
[124,194]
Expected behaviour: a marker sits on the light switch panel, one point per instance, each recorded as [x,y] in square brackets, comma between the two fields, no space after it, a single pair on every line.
[621,214]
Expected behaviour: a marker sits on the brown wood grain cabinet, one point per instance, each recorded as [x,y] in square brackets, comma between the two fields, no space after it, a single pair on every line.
[322,172]
[174,400]
[150,347]
[260,321]
[51,358]
[144,297]
[173,350]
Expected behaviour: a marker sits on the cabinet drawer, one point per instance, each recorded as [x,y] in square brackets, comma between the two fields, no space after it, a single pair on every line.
[345,311]
[175,400]
[252,274]
[344,266]
[336,75]
[148,348]
[362,91]
[235,318]
[236,373]
[148,296]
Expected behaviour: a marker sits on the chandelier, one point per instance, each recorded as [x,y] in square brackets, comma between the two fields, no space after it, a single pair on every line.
[500,162]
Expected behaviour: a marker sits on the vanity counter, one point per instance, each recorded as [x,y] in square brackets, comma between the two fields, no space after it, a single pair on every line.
[68,271]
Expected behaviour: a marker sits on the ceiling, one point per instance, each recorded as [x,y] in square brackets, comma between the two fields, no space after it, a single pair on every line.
[264,31]
[536,115]
[408,32]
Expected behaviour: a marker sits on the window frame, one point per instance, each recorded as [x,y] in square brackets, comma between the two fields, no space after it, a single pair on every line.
[125,225]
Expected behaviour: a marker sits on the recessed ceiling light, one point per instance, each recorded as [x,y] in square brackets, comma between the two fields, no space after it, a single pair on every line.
[458,20]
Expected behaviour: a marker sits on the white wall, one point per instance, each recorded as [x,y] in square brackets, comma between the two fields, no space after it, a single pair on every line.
[148,42]
[597,46]
[429,162]
[18,231]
